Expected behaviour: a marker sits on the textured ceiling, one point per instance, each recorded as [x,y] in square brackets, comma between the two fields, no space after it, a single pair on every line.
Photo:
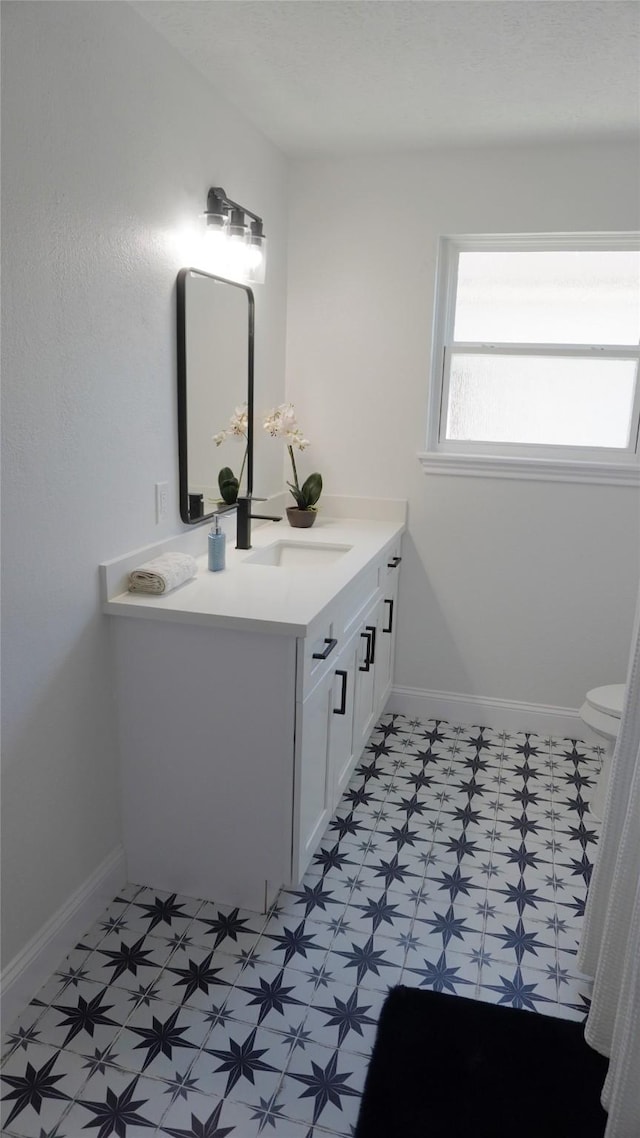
[336,76]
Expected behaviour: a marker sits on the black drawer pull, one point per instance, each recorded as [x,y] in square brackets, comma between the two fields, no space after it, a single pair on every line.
[330,645]
[342,710]
[367,660]
[393,564]
[390,604]
[372,629]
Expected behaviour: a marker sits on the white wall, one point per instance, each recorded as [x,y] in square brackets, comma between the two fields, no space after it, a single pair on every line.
[110,142]
[514,590]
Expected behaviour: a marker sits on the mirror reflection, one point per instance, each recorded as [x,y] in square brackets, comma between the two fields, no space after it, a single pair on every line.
[215,392]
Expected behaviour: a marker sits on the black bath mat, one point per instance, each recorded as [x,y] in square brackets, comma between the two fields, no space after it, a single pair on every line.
[448,1067]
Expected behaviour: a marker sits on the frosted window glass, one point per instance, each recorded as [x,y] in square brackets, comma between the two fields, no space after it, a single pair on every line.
[545,297]
[540,399]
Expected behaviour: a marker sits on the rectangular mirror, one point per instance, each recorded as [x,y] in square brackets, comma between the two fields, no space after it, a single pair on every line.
[215,378]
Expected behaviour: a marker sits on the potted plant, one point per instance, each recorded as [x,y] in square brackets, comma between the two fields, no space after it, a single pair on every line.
[282,423]
[228,484]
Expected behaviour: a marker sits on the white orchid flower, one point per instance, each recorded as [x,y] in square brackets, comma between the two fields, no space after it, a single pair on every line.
[238,429]
[238,426]
[239,421]
[281,422]
[288,421]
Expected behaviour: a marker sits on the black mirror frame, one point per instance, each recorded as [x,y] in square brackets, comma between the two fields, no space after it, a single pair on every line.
[183,470]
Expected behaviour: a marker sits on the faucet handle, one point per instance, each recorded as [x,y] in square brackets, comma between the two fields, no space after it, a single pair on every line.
[250,498]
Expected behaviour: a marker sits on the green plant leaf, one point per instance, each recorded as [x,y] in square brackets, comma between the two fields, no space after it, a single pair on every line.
[298,495]
[229,485]
[312,489]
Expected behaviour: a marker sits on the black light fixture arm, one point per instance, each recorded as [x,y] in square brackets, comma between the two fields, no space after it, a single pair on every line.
[217,197]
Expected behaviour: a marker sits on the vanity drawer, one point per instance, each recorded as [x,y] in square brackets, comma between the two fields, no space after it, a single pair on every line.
[356,599]
[391,564]
[320,649]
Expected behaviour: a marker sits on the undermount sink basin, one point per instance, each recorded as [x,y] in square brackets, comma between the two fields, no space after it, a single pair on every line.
[297,554]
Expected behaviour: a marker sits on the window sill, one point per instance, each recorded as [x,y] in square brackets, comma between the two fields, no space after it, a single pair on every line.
[530,469]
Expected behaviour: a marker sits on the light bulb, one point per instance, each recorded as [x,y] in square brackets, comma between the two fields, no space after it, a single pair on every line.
[257,259]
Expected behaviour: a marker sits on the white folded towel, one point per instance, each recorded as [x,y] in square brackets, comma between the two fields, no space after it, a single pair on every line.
[163,573]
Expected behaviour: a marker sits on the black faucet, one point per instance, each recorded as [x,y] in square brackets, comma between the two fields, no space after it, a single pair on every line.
[243,520]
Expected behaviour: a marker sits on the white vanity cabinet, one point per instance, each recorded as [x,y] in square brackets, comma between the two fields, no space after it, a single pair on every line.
[335,719]
[332,726]
[238,742]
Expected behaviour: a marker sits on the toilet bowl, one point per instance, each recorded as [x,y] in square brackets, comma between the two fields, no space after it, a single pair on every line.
[601,711]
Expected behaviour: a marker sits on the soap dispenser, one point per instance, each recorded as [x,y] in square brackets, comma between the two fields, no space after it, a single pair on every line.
[217,541]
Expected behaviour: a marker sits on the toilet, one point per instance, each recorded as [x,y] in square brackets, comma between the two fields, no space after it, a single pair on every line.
[601,711]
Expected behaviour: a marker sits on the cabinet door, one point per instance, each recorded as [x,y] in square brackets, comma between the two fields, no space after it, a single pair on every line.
[385,642]
[314,803]
[342,757]
[364,715]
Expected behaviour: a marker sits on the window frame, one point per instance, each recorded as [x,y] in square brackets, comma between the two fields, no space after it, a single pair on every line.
[532,460]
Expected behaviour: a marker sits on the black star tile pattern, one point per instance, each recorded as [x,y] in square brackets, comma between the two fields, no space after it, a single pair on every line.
[458,860]
[31,1088]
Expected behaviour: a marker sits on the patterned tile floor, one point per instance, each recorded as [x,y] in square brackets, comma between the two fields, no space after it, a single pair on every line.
[458,860]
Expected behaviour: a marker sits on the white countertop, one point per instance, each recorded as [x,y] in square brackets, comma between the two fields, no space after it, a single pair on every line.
[263,597]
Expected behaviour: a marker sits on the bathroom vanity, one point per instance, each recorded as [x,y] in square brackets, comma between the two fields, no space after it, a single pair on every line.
[244,700]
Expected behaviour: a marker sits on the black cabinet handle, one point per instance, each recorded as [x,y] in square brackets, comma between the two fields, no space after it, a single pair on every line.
[393,564]
[367,661]
[330,645]
[342,710]
[372,629]
[390,604]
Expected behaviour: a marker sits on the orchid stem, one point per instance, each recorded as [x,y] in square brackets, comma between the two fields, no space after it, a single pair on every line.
[243,465]
[293,463]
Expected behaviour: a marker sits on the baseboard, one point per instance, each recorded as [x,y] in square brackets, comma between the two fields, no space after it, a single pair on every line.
[33,965]
[509,714]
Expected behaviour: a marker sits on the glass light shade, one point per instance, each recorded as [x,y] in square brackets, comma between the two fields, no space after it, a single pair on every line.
[212,255]
[257,259]
[237,251]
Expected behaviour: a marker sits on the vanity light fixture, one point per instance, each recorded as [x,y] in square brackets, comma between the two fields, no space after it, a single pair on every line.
[240,234]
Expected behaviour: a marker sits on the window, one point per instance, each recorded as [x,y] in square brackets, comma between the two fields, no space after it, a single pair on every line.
[536,357]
